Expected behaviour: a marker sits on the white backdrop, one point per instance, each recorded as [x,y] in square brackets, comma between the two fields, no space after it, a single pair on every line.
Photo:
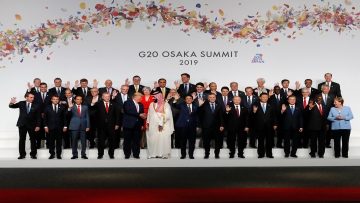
[112,52]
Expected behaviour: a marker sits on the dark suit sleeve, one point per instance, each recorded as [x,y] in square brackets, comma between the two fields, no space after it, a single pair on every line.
[38,114]
[247,120]
[14,106]
[126,106]
[275,117]
[338,91]
[301,120]
[87,118]
[45,117]
[74,91]
[221,114]
[65,118]
[117,117]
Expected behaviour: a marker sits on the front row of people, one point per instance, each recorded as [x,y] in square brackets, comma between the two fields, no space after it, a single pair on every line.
[194,113]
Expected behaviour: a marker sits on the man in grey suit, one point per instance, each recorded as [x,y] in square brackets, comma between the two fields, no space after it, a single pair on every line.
[79,125]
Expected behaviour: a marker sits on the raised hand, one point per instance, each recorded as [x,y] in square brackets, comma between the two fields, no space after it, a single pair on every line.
[206,85]
[289,92]
[95,99]
[67,84]
[70,104]
[95,83]
[194,95]
[201,101]
[297,85]
[127,82]
[283,108]
[246,129]
[13,100]
[76,83]
[275,127]
[177,96]
[214,92]
[114,93]
[177,84]
[156,84]
[116,127]
[168,97]
[255,108]
[228,108]
[276,84]
[87,129]
[311,104]
[221,129]
[37,129]
[29,86]
[300,129]
[271,92]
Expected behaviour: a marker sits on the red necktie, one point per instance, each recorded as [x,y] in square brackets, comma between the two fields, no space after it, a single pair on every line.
[304,102]
[320,110]
[109,90]
[237,111]
[107,107]
[79,110]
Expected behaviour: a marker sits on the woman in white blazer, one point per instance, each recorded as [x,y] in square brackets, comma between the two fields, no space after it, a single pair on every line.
[340,117]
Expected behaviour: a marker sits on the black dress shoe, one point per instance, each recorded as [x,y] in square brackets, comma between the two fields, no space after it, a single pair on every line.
[206,156]
[136,157]
[260,157]
[33,157]
[38,147]
[294,156]
[280,146]
[312,156]
[182,157]
[253,146]
[58,157]
[84,157]
[112,157]
[99,157]
[231,156]
[286,156]
[217,157]
[345,156]
[271,157]
[337,156]
[21,157]
[91,147]
[51,157]
[328,146]
[321,157]
[127,157]
[191,157]
[241,156]
[74,157]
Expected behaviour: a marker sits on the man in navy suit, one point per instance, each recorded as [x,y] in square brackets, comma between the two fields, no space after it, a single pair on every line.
[43,98]
[224,99]
[136,87]
[133,119]
[333,86]
[199,94]
[187,123]
[292,125]
[58,89]
[29,121]
[55,122]
[79,125]
[120,100]
[186,88]
[212,124]
[160,86]
[93,115]
[235,90]
[248,101]
[83,90]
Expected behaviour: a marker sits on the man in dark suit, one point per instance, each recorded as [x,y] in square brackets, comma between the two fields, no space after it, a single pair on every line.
[67,134]
[136,87]
[55,122]
[318,124]
[34,89]
[43,98]
[108,88]
[79,125]
[292,125]
[176,136]
[120,100]
[234,86]
[333,86]
[308,84]
[302,102]
[265,123]
[213,89]
[58,89]
[83,90]
[285,91]
[248,101]
[260,87]
[29,121]
[199,94]
[93,116]
[211,116]
[328,102]
[186,88]
[107,123]
[224,99]
[160,86]
[276,100]
[237,126]
[132,122]
[187,124]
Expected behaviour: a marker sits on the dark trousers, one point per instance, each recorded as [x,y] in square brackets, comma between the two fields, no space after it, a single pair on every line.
[40,135]
[177,138]
[66,136]
[118,134]
[328,136]
[108,132]
[294,135]
[279,136]
[262,134]
[252,137]
[75,135]
[317,138]
[55,135]
[188,133]
[22,140]
[132,141]
[208,134]
[304,138]
[344,135]
[93,130]
[241,136]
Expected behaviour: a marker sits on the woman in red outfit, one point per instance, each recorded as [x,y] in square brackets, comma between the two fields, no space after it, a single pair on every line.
[146,101]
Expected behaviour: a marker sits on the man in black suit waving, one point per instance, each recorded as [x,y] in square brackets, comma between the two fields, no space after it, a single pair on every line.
[83,90]
[308,86]
[333,86]
[160,86]
[248,101]
[292,125]
[34,89]
[29,121]
[265,123]
[212,124]
[107,123]
[237,125]
[186,88]
[55,122]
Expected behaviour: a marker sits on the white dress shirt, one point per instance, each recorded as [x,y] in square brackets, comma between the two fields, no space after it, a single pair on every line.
[189,105]
[136,105]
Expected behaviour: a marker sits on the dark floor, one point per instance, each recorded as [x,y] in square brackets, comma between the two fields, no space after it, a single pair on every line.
[274,177]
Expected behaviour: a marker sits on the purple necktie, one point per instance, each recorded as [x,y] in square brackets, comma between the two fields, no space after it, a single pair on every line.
[225,101]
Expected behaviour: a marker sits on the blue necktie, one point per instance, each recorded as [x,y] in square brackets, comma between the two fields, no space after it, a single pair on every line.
[263,108]
[325,99]
[58,92]
[186,89]
[28,108]
[212,108]
[249,101]
[292,110]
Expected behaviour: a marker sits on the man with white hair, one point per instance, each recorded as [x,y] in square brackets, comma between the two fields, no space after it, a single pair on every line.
[108,88]
[260,87]
[334,88]
[235,92]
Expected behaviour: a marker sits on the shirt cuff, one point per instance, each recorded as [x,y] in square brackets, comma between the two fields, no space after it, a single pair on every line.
[65,127]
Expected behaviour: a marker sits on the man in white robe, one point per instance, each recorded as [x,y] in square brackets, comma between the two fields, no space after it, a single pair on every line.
[160,126]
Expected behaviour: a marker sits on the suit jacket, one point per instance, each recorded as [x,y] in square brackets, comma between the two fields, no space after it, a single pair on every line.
[55,121]
[185,119]
[220,100]
[79,91]
[120,105]
[255,91]
[235,123]
[104,89]
[277,104]
[158,89]
[334,89]
[204,96]
[316,121]
[92,111]
[284,94]
[267,119]
[218,95]
[313,92]
[340,124]
[292,121]
[132,90]
[329,101]
[30,120]
[78,122]
[46,102]
[182,92]
[131,117]
[107,120]
[254,101]
[175,112]
[53,91]
[208,118]
[33,90]
[239,93]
